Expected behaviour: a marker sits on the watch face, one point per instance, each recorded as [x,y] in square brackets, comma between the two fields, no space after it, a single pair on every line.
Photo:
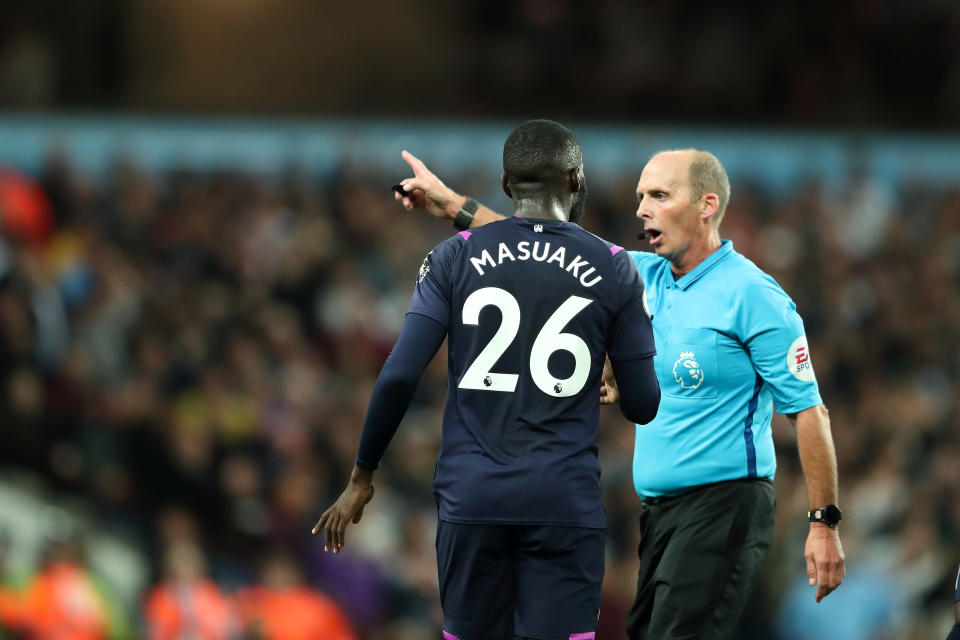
[831,514]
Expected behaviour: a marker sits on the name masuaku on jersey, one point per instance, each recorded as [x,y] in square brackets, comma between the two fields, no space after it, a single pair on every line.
[539,252]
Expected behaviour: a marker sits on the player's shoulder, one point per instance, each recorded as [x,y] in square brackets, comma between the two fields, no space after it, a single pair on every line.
[452,246]
[442,257]
[592,237]
[619,257]
[616,253]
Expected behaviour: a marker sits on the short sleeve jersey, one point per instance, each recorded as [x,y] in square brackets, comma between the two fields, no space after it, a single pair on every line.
[731,347]
[531,307]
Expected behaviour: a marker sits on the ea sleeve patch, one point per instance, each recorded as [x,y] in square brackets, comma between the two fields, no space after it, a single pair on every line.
[798,360]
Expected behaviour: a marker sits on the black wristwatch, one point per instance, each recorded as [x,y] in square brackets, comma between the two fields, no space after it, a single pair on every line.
[465,215]
[829,515]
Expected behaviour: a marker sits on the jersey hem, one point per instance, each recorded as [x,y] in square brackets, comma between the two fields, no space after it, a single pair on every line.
[682,491]
[639,357]
[442,321]
[551,523]
[814,401]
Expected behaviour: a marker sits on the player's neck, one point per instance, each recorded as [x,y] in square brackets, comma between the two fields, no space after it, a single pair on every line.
[699,251]
[540,208]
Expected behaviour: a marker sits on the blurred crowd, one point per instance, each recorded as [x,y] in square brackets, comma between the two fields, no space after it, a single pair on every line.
[190,354]
[850,62]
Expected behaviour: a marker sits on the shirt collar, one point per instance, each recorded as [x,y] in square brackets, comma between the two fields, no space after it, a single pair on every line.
[726,248]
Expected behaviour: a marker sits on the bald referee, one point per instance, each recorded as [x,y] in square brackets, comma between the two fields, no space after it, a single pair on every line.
[730,348]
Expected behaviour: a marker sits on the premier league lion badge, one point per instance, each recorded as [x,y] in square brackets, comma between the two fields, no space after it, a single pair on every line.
[424,269]
[687,371]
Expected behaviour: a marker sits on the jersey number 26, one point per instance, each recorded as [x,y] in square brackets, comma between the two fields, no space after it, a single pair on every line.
[478,376]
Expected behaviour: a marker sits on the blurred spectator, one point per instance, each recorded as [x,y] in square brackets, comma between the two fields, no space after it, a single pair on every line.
[282,607]
[11,603]
[186,604]
[64,601]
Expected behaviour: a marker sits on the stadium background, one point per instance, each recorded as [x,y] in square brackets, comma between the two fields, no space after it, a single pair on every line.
[202,269]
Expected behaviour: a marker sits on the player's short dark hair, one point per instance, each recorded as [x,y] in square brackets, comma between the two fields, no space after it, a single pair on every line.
[539,154]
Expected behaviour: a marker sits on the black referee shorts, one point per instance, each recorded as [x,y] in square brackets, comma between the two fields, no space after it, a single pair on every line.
[700,554]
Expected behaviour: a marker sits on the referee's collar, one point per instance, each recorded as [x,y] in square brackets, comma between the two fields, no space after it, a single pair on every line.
[726,248]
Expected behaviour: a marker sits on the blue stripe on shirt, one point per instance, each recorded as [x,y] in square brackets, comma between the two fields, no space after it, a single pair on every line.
[748,429]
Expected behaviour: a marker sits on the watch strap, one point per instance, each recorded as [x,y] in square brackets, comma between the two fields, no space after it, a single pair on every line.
[829,515]
[465,214]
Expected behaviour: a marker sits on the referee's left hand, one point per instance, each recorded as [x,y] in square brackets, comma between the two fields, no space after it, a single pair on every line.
[825,559]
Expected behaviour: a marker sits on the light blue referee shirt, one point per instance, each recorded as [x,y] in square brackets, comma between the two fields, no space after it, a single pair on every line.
[730,347]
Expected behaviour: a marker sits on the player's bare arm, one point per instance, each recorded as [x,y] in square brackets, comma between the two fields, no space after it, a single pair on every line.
[823,551]
[348,508]
[426,191]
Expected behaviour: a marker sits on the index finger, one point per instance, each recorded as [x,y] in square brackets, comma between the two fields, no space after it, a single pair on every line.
[415,163]
[823,590]
[826,581]
[317,527]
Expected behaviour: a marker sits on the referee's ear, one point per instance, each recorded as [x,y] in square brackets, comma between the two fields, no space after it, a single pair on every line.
[505,185]
[709,205]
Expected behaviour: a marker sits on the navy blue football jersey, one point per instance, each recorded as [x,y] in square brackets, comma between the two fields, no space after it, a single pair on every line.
[531,307]
[956,588]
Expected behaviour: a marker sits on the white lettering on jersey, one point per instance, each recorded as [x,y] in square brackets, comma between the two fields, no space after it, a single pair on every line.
[484,258]
[546,250]
[798,360]
[575,264]
[583,278]
[523,251]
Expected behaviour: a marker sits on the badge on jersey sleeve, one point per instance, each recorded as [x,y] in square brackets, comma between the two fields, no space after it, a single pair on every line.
[798,360]
[424,269]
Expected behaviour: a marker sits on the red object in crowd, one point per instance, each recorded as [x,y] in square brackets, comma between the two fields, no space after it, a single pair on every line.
[11,609]
[24,207]
[62,603]
[294,613]
[195,610]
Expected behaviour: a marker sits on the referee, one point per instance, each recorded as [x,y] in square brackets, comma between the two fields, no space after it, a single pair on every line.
[731,346]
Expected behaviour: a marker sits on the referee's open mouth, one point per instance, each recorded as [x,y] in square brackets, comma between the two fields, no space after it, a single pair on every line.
[653,235]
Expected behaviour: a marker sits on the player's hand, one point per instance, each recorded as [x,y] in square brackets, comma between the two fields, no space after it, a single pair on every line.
[427,191]
[348,508]
[609,391]
[825,559]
